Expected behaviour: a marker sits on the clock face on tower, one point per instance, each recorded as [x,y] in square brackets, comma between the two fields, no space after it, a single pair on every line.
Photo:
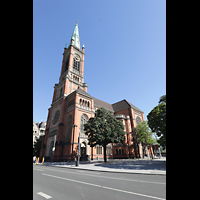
[77,58]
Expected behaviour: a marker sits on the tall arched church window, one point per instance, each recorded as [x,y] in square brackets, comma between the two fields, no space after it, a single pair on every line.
[67,64]
[69,128]
[138,120]
[84,119]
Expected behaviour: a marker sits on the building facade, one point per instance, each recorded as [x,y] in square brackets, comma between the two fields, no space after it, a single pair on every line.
[38,129]
[72,106]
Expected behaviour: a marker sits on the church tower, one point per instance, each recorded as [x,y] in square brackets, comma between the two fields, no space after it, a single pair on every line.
[60,136]
[72,71]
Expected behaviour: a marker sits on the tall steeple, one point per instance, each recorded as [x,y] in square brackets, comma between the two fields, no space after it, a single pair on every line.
[75,36]
[72,71]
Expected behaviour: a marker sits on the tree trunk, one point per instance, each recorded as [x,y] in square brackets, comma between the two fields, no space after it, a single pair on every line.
[104,152]
[143,150]
[135,149]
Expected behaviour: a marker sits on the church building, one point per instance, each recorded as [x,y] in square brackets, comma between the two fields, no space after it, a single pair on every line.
[72,106]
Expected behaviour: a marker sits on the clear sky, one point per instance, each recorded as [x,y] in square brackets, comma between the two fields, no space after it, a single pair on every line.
[125,49]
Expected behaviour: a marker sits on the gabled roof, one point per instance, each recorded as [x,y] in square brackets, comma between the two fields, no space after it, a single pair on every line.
[124,104]
[80,91]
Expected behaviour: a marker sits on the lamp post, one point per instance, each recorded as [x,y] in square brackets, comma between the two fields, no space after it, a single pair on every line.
[73,137]
[78,148]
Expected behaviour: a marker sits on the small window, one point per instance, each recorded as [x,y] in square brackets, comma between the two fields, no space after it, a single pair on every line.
[117,151]
[122,151]
[99,150]
[108,150]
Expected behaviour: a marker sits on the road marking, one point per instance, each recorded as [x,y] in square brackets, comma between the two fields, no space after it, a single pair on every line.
[38,169]
[104,187]
[44,195]
[123,179]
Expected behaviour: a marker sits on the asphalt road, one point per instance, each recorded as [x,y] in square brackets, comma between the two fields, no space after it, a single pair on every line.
[75,184]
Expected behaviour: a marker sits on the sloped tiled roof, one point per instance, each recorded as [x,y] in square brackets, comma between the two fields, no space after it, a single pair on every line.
[80,91]
[124,104]
[98,103]
[134,107]
[121,105]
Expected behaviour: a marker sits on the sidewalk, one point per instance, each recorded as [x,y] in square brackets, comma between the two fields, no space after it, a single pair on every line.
[133,166]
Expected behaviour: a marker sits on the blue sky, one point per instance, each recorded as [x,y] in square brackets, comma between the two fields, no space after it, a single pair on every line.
[125,49]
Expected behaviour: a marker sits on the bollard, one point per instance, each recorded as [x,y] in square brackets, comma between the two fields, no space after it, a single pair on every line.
[43,161]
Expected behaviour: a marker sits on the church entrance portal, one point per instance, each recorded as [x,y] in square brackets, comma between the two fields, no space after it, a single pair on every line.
[83,151]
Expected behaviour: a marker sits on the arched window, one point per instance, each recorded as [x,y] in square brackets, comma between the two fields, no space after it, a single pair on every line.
[80,101]
[76,64]
[67,64]
[69,128]
[84,119]
[138,120]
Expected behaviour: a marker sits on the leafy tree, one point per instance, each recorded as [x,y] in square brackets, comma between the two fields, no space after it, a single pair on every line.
[103,129]
[143,134]
[135,141]
[37,146]
[157,120]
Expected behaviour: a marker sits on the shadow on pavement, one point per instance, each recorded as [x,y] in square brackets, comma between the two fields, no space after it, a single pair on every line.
[135,165]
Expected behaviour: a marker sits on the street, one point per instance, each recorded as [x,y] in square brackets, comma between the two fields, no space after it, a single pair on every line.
[75,184]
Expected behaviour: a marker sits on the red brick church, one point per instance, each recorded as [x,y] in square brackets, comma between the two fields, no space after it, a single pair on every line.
[72,106]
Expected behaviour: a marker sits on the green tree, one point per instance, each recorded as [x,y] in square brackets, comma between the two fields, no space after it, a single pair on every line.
[144,135]
[157,120]
[37,146]
[103,129]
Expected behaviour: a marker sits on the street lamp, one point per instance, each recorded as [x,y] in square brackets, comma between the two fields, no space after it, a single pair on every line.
[78,148]
[73,136]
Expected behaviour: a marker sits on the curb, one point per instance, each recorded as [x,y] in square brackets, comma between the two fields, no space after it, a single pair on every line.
[107,170]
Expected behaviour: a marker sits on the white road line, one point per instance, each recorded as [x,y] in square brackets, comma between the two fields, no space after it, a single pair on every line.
[104,187]
[38,169]
[123,179]
[44,195]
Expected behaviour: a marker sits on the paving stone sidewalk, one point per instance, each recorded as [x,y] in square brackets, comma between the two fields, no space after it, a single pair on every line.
[134,166]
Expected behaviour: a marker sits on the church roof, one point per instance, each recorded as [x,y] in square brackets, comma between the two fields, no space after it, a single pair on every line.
[80,91]
[98,103]
[121,105]
[124,104]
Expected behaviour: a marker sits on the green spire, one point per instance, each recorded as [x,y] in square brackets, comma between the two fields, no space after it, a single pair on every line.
[75,36]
